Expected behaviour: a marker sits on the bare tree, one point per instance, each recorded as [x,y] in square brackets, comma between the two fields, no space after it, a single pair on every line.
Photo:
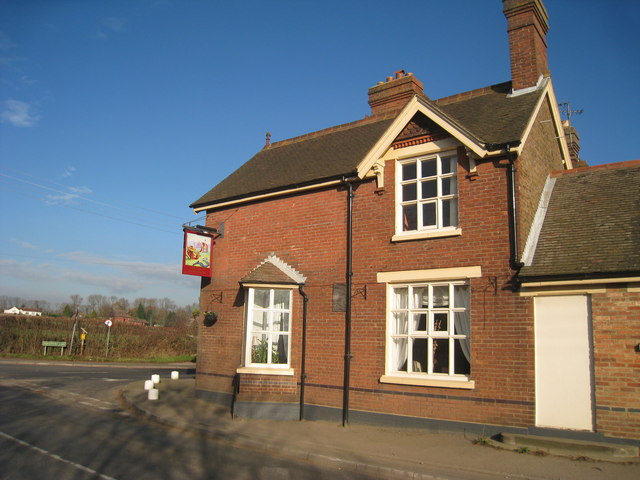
[121,306]
[94,302]
[76,300]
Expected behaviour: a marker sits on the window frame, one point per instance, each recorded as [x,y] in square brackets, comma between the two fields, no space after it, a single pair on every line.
[254,367]
[437,229]
[394,279]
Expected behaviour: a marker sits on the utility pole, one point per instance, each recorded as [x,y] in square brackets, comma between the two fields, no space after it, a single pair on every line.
[73,332]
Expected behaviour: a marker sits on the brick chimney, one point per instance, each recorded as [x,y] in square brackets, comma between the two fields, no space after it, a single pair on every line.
[573,143]
[389,97]
[527,24]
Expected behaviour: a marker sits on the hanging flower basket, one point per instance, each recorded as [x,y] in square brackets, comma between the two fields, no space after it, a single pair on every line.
[210,318]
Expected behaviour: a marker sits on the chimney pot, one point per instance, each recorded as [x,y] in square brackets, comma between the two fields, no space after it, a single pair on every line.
[391,96]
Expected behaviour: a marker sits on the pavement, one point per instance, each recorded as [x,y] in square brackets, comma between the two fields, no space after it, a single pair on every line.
[384,452]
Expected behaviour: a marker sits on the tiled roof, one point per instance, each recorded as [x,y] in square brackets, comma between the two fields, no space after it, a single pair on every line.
[267,273]
[592,224]
[490,114]
[328,154]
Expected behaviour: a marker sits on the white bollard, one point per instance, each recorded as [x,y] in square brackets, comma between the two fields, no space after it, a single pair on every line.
[153,394]
[155,378]
[148,384]
[175,375]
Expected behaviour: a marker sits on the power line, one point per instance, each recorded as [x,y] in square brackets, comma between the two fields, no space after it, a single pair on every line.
[137,207]
[101,214]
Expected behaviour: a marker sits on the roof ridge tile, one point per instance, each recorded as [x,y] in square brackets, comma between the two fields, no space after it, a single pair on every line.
[470,94]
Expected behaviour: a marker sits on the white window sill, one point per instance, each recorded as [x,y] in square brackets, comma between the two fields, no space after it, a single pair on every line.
[266,371]
[403,237]
[422,381]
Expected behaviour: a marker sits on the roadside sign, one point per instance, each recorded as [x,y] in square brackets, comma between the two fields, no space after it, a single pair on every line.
[108,323]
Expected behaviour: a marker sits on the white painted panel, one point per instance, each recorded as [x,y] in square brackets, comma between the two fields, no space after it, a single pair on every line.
[563,363]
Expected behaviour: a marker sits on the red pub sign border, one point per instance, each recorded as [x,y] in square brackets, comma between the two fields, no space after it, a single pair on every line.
[196,253]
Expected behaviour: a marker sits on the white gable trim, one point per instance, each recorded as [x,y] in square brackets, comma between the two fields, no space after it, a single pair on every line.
[549,95]
[415,105]
[538,221]
[284,267]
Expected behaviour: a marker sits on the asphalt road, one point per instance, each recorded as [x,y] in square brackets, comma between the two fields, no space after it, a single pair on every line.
[60,421]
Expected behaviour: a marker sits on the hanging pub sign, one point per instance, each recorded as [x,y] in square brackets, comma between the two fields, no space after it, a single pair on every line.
[196,253]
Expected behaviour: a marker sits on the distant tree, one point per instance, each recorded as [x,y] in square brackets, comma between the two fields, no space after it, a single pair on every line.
[93,314]
[121,306]
[152,306]
[140,313]
[94,302]
[171,319]
[76,301]
[68,311]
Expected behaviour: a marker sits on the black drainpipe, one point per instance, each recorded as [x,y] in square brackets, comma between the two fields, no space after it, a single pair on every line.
[514,260]
[303,375]
[347,329]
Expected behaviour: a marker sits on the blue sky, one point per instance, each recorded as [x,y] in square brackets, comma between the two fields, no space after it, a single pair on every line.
[116,115]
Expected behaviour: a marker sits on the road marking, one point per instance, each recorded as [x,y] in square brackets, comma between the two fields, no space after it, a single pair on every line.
[56,457]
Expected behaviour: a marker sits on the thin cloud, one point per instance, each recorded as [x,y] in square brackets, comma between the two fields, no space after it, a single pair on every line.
[69,172]
[5,42]
[112,283]
[26,270]
[61,199]
[81,190]
[23,244]
[115,24]
[110,25]
[19,114]
[135,275]
[67,198]
[46,273]
[135,268]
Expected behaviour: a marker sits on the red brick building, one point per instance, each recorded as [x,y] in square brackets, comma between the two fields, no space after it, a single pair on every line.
[388,270]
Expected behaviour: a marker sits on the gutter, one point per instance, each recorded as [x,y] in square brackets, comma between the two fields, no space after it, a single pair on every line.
[262,196]
[580,279]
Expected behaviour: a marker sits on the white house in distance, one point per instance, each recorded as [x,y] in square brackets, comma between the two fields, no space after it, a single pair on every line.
[23,311]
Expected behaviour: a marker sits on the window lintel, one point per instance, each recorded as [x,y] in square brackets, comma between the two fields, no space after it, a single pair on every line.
[430,275]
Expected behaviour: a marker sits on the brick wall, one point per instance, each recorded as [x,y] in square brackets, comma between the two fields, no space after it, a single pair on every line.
[309,233]
[540,156]
[616,331]
[502,325]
